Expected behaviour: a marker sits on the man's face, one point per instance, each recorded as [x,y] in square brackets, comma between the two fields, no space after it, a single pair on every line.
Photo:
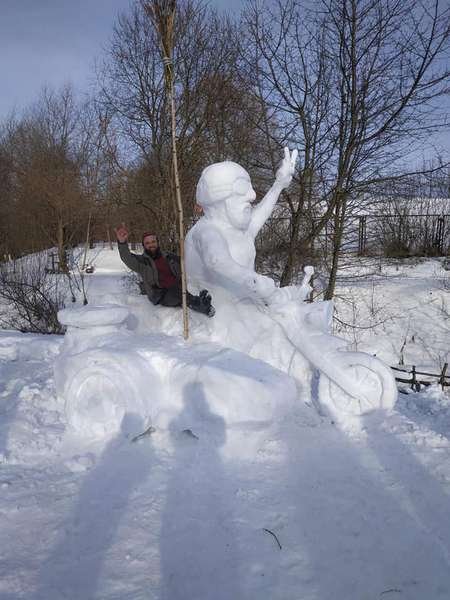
[150,243]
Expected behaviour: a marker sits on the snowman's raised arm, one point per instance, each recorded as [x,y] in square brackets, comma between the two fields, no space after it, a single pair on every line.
[223,270]
[283,178]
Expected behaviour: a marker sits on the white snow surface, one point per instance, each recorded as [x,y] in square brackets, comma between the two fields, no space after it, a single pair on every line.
[239,463]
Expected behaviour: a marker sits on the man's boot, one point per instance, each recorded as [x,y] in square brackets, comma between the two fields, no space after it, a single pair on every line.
[202,303]
[205,300]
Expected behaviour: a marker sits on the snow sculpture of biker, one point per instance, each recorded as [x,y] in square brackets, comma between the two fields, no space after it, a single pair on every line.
[220,255]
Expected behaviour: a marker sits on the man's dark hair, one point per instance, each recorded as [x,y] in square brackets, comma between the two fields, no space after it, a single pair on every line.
[147,233]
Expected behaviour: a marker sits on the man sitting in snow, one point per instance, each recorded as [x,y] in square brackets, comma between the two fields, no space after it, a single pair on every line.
[160,273]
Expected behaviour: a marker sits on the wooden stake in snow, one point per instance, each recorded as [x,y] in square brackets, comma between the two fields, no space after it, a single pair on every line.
[162,14]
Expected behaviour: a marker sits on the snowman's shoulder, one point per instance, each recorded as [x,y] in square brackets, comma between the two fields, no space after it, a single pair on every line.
[207,232]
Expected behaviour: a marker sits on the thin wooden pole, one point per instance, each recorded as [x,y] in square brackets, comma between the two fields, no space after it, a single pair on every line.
[179,211]
[162,13]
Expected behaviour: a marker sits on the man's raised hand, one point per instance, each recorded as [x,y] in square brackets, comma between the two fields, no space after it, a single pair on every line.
[121,233]
[287,168]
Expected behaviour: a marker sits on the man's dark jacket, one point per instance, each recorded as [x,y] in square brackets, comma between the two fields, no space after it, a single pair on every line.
[146,268]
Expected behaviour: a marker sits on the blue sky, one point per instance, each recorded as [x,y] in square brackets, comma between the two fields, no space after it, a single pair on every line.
[57,41]
[53,42]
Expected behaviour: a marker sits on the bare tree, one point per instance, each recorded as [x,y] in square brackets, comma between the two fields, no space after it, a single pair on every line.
[212,108]
[353,84]
[48,188]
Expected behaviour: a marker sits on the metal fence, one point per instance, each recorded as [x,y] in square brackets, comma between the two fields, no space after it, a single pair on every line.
[414,233]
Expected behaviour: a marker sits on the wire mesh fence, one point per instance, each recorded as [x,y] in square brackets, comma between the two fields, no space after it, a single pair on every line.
[389,235]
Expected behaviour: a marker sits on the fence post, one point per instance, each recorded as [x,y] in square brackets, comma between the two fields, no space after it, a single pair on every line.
[440,235]
[442,377]
[415,385]
[361,235]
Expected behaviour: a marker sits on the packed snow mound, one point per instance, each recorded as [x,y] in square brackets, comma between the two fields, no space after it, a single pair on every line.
[104,375]
[235,325]
[15,345]
[94,317]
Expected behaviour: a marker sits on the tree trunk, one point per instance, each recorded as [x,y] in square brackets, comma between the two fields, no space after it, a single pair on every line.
[86,246]
[337,243]
[62,262]
[286,276]
[108,235]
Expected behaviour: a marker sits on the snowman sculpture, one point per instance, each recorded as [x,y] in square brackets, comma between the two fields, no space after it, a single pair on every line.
[257,317]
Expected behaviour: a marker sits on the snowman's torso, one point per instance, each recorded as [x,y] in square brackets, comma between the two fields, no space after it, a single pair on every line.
[239,244]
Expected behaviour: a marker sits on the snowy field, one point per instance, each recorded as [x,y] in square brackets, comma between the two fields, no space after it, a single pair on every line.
[220,507]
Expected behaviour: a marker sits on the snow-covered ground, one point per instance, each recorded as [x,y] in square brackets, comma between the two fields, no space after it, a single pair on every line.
[397,309]
[215,508]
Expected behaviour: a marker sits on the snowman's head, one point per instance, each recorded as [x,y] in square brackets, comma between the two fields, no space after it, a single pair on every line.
[225,192]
